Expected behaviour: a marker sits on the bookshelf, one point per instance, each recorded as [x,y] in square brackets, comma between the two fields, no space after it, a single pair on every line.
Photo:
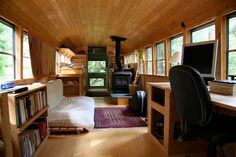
[28,119]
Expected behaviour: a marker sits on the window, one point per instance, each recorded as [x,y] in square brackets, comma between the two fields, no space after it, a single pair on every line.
[57,61]
[7,54]
[149,60]
[231,46]
[135,57]
[141,64]
[176,45]
[97,66]
[27,69]
[131,58]
[203,33]
[160,59]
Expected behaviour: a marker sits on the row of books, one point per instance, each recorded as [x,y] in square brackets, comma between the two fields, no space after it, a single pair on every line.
[32,137]
[29,105]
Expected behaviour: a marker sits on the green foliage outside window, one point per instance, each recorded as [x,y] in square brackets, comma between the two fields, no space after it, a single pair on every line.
[96,66]
[232,46]
[6,47]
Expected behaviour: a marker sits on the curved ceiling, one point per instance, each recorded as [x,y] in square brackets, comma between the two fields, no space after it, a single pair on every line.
[77,23]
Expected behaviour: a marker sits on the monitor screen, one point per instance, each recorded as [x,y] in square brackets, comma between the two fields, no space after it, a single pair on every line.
[201,56]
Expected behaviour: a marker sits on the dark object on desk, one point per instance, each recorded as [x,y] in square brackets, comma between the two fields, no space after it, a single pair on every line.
[17,90]
[232,77]
[193,105]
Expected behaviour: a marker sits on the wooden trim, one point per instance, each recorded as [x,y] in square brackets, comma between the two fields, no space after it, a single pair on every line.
[154,65]
[186,36]
[167,55]
[5,129]
[221,36]
[18,52]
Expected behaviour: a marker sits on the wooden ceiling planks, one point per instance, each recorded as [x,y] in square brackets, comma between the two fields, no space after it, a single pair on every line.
[91,22]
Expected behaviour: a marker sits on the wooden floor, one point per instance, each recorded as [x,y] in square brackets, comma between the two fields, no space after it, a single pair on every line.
[125,142]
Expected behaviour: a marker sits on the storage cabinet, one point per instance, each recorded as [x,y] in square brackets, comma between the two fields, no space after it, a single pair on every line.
[28,119]
[73,84]
[164,124]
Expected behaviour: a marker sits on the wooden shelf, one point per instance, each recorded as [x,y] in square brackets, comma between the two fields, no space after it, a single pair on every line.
[32,102]
[162,114]
[31,120]
[71,85]
[31,88]
[77,88]
[40,146]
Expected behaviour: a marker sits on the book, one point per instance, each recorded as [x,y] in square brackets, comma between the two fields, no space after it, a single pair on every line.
[224,87]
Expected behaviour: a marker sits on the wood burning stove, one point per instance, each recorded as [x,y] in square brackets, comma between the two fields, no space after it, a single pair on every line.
[121,81]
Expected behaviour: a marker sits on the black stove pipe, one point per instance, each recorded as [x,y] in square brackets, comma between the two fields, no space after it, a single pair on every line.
[118,48]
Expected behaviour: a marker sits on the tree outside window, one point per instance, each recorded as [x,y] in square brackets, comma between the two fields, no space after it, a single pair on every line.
[149,60]
[160,59]
[231,44]
[203,33]
[176,45]
[7,56]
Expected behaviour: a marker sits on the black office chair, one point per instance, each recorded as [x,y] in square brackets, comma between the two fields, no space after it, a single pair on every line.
[193,105]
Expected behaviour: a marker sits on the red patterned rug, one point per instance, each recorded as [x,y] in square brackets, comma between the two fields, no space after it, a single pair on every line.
[117,117]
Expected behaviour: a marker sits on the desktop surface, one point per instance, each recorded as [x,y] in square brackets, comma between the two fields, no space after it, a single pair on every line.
[225,81]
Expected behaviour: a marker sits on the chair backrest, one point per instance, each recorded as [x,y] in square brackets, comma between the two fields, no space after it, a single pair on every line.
[191,97]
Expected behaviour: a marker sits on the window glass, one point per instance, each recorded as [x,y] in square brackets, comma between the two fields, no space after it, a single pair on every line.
[204,33]
[7,56]
[149,60]
[160,59]
[6,67]
[97,66]
[231,44]
[176,44]
[27,69]
[96,82]
[6,38]
[232,33]
[141,64]
[135,57]
[131,58]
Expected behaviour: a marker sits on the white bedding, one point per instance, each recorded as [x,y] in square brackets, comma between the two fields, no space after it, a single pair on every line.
[69,111]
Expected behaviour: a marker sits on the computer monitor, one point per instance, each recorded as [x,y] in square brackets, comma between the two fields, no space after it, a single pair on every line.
[201,56]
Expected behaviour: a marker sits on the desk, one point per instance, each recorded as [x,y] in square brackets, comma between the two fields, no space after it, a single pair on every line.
[163,122]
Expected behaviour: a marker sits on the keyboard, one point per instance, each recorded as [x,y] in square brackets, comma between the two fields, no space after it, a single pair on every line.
[225,81]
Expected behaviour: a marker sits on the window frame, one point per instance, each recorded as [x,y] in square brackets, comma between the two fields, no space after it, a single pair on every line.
[211,23]
[13,44]
[158,60]
[229,16]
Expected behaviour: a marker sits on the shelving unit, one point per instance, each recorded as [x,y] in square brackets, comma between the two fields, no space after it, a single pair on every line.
[164,124]
[73,84]
[28,119]
[5,129]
